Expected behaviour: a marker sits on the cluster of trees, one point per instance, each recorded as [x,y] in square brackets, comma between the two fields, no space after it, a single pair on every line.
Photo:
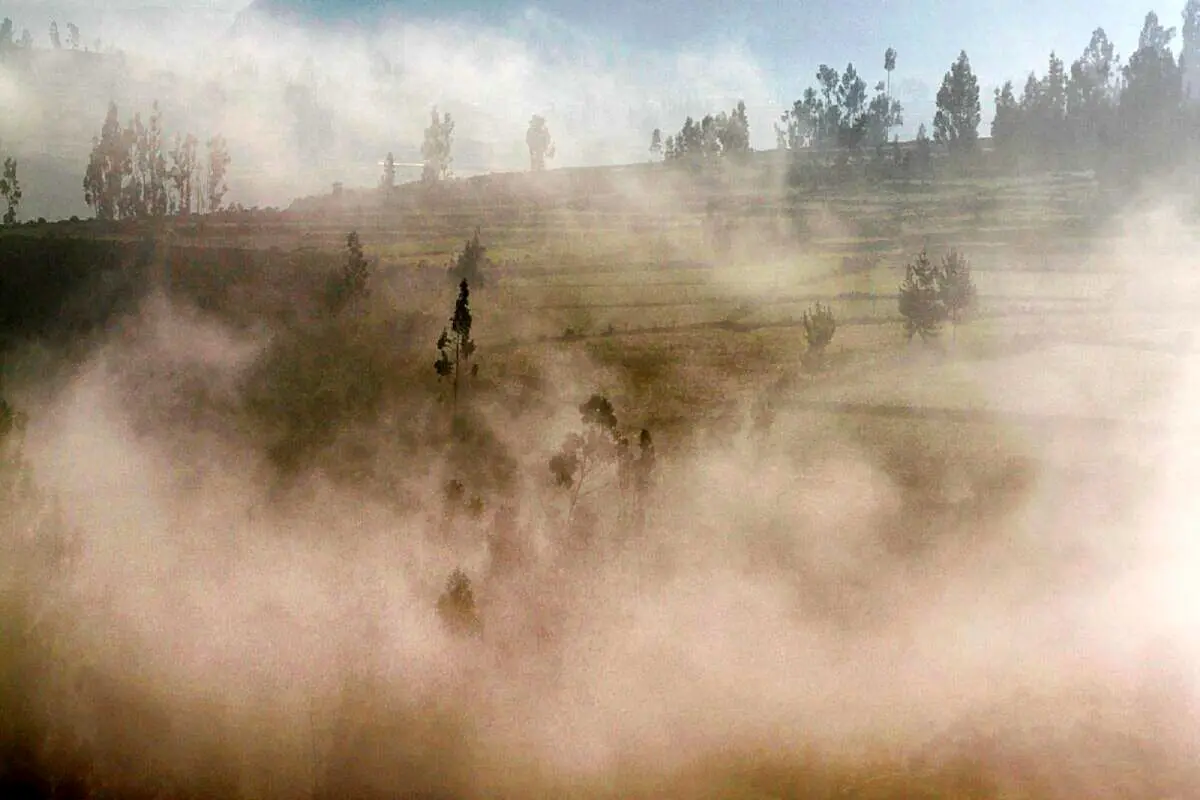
[933,293]
[712,137]
[1100,105]
[837,113]
[10,190]
[130,175]
[25,42]
[72,36]
[435,150]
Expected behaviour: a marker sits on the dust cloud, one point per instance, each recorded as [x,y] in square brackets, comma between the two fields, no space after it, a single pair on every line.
[791,597]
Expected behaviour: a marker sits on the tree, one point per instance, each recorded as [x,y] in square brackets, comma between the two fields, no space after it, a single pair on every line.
[26,39]
[541,147]
[103,180]
[55,40]
[388,181]
[468,265]
[582,454]
[182,172]
[1189,55]
[10,190]
[157,192]
[1150,100]
[920,299]
[819,327]
[956,123]
[1006,124]
[353,285]
[923,153]
[889,65]
[73,36]
[455,346]
[656,144]
[435,150]
[956,289]
[456,606]
[733,132]
[218,166]
[6,35]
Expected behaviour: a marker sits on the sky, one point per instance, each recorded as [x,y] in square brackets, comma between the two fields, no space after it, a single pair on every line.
[603,74]
[1004,38]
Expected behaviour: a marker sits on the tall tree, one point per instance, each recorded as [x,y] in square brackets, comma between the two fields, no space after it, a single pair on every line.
[540,145]
[1006,123]
[435,150]
[26,39]
[55,40]
[104,178]
[889,65]
[218,168]
[157,194]
[956,123]
[10,190]
[388,181]
[733,131]
[73,36]
[920,299]
[1189,55]
[6,36]
[182,172]
[1150,100]
[455,346]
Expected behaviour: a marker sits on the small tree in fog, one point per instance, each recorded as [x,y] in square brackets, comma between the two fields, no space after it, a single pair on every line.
[456,606]
[218,167]
[10,190]
[388,181]
[435,150]
[956,289]
[468,265]
[635,464]
[73,36]
[656,144]
[353,285]
[819,327]
[582,454]
[455,346]
[541,146]
[920,299]
[55,39]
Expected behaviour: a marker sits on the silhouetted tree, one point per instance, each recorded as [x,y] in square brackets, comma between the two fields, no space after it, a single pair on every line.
[920,299]
[388,181]
[468,264]
[73,36]
[6,36]
[819,327]
[55,40]
[1150,100]
[455,346]
[184,166]
[26,39]
[582,454]
[1189,54]
[218,167]
[456,606]
[541,146]
[436,149]
[889,65]
[956,123]
[106,169]
[10,190]
[656,143]
[956,289]
[352,286]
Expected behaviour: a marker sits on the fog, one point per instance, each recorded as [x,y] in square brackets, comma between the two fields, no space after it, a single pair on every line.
[790,597]
[356,95]
[186,615]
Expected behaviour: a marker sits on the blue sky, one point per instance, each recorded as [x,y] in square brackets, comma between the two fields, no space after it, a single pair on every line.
[785,41]
[1005,39]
